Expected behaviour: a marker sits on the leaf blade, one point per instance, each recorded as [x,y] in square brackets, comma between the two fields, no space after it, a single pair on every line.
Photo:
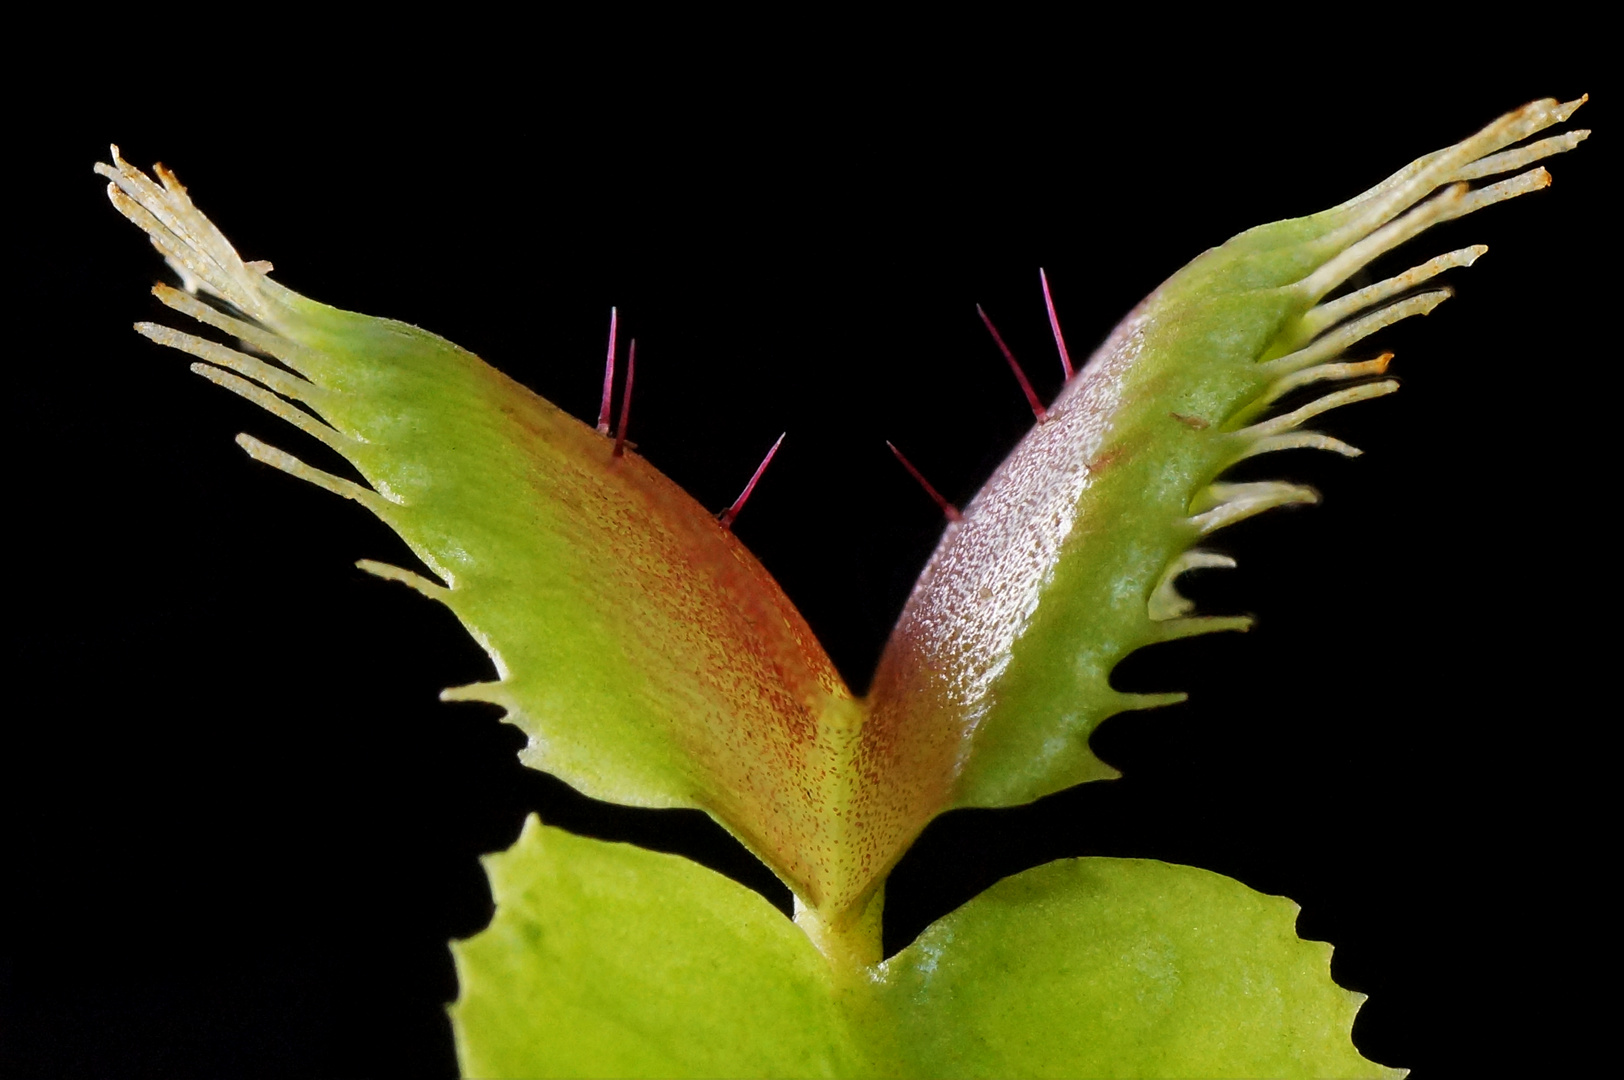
[1063,564]
[649,657]
[609,960]
[1125,968]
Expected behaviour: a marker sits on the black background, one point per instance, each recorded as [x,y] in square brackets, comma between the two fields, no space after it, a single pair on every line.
[242,828]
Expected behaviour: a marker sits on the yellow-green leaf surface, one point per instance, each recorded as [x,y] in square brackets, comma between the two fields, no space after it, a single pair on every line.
[609,960]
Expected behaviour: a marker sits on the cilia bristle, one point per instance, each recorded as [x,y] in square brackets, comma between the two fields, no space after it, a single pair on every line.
[727,517]
[1032,399]
[608,374]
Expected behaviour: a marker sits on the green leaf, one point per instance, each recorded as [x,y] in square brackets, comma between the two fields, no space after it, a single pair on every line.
[609,960]
[1065,561]
[646,653]
[1121,967]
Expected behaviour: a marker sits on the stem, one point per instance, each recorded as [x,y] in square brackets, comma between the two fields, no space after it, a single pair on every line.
[851,943]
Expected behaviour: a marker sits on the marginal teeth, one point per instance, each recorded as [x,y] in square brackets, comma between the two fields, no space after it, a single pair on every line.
[1521,184]
[1300,440]
[276,406]
[289,386]
[1331,312]
[1323,372]
[1335,271]
[190,243]
[1431,190]
[1507,160]
[1297,417]
[295,356]
[389,572]
[1173,629]
[494,693]
[1455,202]
[1237,502]
[1333,344]
[281,459]
[1165,602]
[1469,159]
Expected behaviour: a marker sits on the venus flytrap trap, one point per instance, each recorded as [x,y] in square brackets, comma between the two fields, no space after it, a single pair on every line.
[652,661]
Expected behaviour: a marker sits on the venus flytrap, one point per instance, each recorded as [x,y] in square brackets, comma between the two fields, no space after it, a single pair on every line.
[652,661]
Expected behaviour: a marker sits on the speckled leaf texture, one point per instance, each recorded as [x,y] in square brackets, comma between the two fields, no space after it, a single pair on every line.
[652,661]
